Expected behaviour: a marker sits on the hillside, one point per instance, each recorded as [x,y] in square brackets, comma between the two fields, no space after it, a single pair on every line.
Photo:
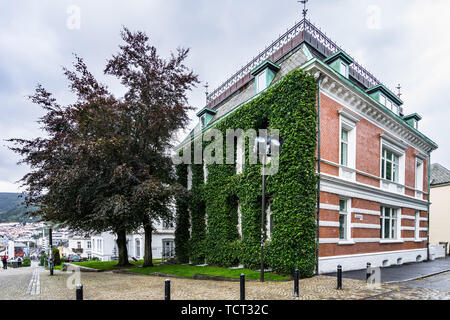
[12,209]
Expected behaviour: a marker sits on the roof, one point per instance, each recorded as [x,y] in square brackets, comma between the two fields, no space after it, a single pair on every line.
[304,31]
[439,175]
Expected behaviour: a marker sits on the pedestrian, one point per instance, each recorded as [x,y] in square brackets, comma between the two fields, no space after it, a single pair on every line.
[5,261]
[19,262]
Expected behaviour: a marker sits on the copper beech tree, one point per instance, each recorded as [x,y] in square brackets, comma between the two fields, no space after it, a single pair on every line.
[104,162]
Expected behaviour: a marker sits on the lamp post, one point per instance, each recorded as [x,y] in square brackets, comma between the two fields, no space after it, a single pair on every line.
[50,240]
[267,142]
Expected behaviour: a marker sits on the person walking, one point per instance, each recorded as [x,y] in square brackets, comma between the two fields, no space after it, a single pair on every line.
[19,262]
[5,261]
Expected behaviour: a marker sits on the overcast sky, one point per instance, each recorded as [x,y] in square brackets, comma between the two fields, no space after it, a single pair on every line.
[402,41]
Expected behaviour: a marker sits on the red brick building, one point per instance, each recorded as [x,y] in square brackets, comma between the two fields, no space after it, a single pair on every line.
[373,160]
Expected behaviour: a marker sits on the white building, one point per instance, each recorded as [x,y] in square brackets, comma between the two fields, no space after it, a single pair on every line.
[104,245]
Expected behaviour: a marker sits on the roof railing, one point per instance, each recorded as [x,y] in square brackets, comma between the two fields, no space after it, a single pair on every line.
[312,34]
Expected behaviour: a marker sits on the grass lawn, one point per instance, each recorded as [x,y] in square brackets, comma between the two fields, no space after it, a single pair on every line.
[189,271]
[111,265]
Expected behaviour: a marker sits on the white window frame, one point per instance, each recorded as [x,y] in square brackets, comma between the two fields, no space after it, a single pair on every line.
[342,143]
[417,226]
[383,100]
[137,243]
[347,122]
[397,148]
[419,178]
[343,67]
[394,235]
[394,162]
[347,214]
[261,77]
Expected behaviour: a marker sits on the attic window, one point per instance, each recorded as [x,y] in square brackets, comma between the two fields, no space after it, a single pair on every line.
[203,121]
[261,81]
[264,75]
[340,62]
[205,116]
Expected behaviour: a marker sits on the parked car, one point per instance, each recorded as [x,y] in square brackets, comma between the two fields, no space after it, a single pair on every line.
[75,258]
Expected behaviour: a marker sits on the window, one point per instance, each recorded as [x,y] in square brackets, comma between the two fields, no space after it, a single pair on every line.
[419,177]
[343,69]
[261,82]
[389,165]
[167,224]
[343,220]
[388,223]
[417,225]
[383,100]
[344,147]
[88,244]
[138,248]
[203,121]
[79,244]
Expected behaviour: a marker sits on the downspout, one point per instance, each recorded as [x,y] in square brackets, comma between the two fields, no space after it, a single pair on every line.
[319,80]
[428,205]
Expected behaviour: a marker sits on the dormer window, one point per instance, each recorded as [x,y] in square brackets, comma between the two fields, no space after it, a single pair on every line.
[264,75]
[386,98]
[343,69]
[340,62]
[205,116]
[413,120]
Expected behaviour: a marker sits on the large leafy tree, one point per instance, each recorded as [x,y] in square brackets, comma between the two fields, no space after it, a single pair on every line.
[105,164]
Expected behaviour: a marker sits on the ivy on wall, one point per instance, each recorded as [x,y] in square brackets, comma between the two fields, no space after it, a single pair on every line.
[182,218]
[290,107]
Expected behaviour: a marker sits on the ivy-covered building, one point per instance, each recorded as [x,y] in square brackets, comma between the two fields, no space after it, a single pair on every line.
[353,181]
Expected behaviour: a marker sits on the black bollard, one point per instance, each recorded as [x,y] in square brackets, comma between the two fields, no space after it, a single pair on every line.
[296,276]
[339,277]
[167,290]
[242,286]
[79,292]
[368,272]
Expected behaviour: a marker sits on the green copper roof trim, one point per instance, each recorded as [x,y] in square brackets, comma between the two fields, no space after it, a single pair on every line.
[206,110]
[266,64]
[192,137]
[434,144]
[412,116]
[340,54]
[385,91]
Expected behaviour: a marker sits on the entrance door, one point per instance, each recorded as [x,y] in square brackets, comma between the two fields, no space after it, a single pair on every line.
[168,249]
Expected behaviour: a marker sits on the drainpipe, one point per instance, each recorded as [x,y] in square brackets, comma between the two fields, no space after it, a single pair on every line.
[319,80]
[428,205]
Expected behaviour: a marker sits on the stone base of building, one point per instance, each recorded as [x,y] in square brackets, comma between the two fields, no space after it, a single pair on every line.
[378,259]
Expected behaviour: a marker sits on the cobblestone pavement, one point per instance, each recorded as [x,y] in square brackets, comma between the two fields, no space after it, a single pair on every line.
[108,285]
[14,283]
[114,286]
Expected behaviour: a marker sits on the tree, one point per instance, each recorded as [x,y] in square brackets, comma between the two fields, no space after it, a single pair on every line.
[105,164]
[158,108]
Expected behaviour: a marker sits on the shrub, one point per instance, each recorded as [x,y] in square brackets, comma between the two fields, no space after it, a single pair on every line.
[26,262]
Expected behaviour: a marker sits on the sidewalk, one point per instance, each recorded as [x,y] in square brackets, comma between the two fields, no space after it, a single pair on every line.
[404,272]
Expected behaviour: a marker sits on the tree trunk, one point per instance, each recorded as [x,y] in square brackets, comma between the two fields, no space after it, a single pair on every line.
[148,230]
[122,246]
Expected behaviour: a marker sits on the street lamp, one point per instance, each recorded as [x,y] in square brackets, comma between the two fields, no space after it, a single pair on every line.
[267,143]
[50,240]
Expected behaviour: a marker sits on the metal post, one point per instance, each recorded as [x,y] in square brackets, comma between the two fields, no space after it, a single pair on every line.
[167,290]
[242,286]
[296,276]
[50,240]
[79,291]
[339,277]
[263,212]
[368,272]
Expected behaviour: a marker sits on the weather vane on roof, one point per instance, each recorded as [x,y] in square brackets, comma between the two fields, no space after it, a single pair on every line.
[305,11]
[399,94]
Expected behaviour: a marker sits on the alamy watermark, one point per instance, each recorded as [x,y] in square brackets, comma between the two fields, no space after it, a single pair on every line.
[264,146]
[74,17]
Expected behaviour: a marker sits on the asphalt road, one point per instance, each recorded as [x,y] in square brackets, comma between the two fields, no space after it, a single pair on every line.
[14,282]
[438,282]
[404,272]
